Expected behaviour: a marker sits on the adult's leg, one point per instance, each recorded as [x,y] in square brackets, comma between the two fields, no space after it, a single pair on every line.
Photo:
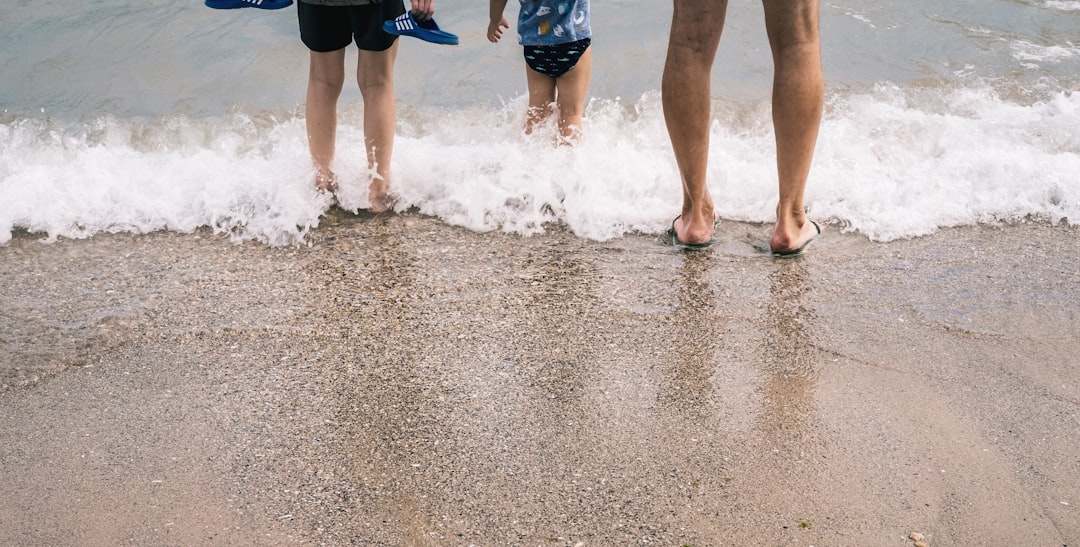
[798,94]
[375,76]
[541,98]
[326,76]
[571,89]
[695,33]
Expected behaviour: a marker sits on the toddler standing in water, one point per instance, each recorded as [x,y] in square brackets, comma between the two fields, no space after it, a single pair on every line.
[556,35]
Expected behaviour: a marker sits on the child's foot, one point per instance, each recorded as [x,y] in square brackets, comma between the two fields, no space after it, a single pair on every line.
[379,196]
[326,182]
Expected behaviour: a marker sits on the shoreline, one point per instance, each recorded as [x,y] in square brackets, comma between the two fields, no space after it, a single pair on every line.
[401,381]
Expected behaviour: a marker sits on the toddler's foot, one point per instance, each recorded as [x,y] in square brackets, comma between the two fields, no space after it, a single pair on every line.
[326,182]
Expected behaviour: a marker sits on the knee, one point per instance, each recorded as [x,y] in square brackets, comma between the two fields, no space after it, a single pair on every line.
[370,87]
[375,75]
[327,84]
[571,111]
[696,27]
[375,82]
[802,57]
[794,34]
[796,46]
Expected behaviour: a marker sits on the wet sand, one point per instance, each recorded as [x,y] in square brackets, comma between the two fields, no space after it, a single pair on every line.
[403,382]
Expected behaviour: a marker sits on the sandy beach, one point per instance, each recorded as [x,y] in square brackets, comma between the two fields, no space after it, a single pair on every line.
[400,381]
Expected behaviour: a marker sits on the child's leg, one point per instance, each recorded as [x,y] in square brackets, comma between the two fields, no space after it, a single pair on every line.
[571,89]
[541,98]
[325,79]
[375,77]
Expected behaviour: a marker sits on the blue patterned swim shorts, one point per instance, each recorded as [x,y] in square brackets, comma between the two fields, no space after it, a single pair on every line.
[556,60]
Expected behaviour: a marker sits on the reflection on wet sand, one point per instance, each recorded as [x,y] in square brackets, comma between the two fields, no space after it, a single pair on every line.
[386,428]
[425,396]
[403,382]
[687,378]
[553,350]
[790,359]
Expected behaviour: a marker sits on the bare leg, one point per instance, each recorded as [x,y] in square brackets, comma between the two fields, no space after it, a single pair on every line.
[326,76]
[696,27]
[375,76]
[798,94]
[541,98]
[571,89]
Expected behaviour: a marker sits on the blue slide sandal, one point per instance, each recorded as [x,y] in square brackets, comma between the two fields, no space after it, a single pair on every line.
[261,4]
[428,31]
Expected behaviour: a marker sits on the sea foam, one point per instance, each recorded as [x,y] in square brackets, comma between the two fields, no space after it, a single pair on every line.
[891,163]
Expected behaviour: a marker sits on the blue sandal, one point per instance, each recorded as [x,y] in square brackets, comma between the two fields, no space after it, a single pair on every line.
[428,31]
[261,4]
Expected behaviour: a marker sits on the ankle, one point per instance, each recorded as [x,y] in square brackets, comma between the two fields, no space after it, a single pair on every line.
[325,180]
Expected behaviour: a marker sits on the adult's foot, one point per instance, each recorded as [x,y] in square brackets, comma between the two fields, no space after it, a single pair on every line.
[789,240]
[693,231]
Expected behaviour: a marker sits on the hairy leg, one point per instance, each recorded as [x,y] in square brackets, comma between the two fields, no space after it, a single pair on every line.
[696,27]
[375,76]
[541,98]
[326,76]
[798,95]
[571,89]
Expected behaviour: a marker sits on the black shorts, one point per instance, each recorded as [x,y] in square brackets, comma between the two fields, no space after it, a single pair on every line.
[330,28]
[556,60]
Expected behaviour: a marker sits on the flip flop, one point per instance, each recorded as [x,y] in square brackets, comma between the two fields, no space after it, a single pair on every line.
[687,246]
[796,252]
[261,4]
[428,31]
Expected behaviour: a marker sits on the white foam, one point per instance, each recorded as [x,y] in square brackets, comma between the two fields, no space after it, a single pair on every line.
[891,163]
[896,164]
[172,174]
[1025,51]
[1063,5]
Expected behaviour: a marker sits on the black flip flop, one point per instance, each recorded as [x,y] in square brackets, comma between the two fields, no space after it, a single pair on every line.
[687,246]
[796,252]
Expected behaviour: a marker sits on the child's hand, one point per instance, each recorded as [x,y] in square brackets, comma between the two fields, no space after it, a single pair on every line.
[422,10]
[495,29]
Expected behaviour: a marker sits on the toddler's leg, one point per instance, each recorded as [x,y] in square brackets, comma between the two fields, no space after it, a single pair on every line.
[541,98]
[571,89]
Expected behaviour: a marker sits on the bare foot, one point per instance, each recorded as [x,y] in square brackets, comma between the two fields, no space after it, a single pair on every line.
[326,181]
[378,195]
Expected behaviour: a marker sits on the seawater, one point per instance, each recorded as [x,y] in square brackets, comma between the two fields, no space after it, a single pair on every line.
[166,115]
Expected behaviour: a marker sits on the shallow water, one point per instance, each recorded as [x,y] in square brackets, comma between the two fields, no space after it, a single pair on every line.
[168,115]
